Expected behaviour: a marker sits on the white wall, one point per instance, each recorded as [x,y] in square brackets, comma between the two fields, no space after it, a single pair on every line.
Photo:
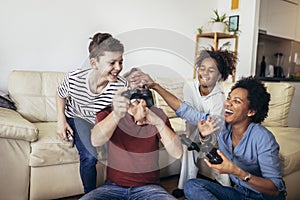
[248,24]
[53,35]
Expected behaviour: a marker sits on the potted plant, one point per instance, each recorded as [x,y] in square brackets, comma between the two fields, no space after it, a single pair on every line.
[219,22]
[200,30]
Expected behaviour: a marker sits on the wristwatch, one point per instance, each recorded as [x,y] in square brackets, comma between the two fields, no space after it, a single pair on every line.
[247,178]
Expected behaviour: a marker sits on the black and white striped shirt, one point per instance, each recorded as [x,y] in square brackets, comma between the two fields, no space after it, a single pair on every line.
[80,101]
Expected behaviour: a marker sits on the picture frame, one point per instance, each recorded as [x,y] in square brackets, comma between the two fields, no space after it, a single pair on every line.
[233,23]
[234,4]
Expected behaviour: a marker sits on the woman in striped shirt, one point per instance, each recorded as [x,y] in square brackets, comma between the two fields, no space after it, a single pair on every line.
[85,92]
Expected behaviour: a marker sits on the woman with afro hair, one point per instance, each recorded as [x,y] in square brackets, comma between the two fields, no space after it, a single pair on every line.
[249,151]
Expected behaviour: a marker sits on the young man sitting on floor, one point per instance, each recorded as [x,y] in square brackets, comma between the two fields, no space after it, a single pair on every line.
[132,132]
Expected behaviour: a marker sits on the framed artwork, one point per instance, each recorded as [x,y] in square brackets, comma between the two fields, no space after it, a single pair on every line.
[234,4]
[233,23]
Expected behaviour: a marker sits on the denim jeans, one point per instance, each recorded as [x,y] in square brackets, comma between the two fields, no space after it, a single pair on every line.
[203,189]
[87,153]
[111,191]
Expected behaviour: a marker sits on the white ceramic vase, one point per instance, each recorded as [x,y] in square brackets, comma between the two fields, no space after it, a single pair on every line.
[219,27]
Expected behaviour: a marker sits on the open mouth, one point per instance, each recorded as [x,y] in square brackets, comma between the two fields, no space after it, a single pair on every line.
[113,74]
[228,112]
[205,78]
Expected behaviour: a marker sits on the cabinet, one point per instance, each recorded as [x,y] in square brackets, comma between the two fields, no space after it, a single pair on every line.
[215,40]
[297,38]
[278,18]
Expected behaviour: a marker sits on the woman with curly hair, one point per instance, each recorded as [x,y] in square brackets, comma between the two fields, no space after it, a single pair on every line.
[249,151]
[205,95]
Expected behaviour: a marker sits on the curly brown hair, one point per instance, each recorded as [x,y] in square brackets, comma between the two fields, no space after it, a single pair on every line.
[258,97]
[225,59]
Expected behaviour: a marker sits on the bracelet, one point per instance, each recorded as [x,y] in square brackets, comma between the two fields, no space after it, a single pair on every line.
[204,139]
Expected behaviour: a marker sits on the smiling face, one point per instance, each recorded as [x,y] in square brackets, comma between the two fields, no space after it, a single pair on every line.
[109,65]
[237,107]
[208,73]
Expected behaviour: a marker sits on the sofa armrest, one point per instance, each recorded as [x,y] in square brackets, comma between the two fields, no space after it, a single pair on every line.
[14,126]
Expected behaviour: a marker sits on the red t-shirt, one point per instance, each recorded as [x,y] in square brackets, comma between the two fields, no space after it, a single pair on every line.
[133,151]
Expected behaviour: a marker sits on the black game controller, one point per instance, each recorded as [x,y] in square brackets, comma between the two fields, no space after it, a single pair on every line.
[140,94]
[189,143]
[207,149]
[214,157]
[70,138]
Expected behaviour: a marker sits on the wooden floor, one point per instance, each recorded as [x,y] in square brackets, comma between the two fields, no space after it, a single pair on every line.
[169,183]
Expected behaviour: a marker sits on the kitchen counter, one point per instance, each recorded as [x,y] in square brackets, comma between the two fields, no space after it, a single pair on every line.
[275,79]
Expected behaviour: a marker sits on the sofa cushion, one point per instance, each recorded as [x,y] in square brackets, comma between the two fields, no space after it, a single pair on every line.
[289,142]
[14,126]
[50,149]
[177,124]
[175,86]
[34,93]
[281,98]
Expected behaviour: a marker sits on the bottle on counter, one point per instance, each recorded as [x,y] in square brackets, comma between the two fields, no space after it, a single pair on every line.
[263,67]
[270,71]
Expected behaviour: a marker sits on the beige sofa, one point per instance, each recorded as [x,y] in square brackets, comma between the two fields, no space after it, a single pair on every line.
[37,164]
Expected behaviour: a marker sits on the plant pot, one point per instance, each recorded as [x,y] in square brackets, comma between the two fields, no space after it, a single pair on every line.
[219,27]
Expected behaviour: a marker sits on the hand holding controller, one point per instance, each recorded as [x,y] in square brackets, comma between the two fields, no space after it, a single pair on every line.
[70,138]
[214,157]
[189,143]
[208,150]
[140,94]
